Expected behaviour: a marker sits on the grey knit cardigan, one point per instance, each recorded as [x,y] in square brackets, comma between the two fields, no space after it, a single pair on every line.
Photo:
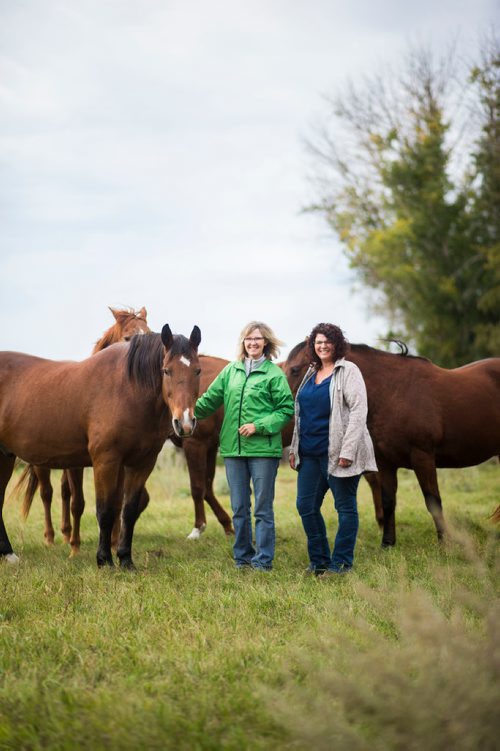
[348,434]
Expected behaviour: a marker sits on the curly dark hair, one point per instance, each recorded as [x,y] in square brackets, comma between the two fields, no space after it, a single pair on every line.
[335,335]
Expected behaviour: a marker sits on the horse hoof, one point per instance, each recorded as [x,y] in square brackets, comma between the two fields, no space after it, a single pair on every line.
[197,532]
[128,565]
[102,562]
[386,545]
[11,558]
[229,531]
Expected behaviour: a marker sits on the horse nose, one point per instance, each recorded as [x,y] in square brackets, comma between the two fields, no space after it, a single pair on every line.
[185,426]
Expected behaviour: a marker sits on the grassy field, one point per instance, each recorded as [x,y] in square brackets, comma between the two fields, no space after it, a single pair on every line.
[189,653]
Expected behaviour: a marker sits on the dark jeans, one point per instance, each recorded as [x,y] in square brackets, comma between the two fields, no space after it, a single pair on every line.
[312,484]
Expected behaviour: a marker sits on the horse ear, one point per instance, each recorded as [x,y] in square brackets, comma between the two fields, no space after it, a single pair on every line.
[114,312]
[166,336]
[143,313]
[195,337]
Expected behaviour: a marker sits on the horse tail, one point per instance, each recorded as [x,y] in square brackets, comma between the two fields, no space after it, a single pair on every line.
[495,517]
[29,480]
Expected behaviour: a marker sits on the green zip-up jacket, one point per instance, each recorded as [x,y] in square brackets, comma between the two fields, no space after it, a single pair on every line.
[262,398]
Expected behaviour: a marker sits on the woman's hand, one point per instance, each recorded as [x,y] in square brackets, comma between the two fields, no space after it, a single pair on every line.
[247,429]
[291,460]
[344,462]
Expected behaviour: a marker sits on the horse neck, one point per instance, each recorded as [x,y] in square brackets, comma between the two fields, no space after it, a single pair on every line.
[111,336]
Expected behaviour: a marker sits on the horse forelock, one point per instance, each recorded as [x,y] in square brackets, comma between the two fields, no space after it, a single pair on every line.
[181,347]
[128,314]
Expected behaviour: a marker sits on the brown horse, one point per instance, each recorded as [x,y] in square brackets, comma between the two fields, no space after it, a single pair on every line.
[200,450]
[127,324]
[113,411]
[421,416]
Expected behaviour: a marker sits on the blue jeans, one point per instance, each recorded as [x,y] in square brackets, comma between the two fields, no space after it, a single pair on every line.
[312,483]
[262,471]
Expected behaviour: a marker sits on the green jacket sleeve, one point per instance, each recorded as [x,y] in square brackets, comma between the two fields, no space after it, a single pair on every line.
[283,407]
[213,398]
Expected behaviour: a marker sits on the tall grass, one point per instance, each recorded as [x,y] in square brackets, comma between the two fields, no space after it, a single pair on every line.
[189,653]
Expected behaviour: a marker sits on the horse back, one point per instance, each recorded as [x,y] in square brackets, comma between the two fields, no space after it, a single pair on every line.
[413,403]
[46,406]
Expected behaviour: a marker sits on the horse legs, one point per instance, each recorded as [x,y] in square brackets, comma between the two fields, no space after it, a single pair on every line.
[221,515]
[75,481]
[373,480]
[6,469]
[133,497]
[108,480]
[201,467]
[115,535]
[46,493]
[196,458]
[424,466]
[389,486]
[65,507]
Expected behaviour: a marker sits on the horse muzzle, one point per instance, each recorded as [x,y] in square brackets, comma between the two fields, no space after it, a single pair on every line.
[185,426]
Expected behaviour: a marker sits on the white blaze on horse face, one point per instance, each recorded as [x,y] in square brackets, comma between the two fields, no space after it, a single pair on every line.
[185,361]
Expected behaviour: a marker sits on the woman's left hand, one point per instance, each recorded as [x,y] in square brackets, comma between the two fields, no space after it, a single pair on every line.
[247,429]
[344,462]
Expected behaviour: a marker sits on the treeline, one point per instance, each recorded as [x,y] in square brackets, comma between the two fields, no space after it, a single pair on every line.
[407,166]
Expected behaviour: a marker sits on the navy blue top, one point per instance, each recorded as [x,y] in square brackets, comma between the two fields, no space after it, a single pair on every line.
[314,402]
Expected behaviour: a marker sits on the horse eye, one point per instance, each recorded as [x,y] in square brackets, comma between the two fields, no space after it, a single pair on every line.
[197,371]
[295,370]
[126,338]
[166,372]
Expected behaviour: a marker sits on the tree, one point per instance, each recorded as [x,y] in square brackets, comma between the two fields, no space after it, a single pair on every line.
[485,202]
[418,228]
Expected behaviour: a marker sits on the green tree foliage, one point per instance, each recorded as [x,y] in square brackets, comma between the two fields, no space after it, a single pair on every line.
[485,203]
[416,211]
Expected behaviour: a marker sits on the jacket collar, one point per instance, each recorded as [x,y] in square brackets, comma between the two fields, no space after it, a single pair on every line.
[264,365]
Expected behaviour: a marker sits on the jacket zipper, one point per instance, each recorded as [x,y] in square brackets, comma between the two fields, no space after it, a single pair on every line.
[239,414]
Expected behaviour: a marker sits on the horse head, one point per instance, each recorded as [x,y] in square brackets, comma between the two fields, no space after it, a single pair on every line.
[296,365]
[129,323]
[181,378]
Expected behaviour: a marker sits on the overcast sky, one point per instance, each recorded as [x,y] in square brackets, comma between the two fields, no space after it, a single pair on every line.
[152,154]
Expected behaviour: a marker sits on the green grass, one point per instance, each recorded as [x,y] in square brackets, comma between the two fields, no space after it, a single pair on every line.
[189,653]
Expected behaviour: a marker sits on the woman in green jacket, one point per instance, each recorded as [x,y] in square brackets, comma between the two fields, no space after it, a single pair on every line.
[257,405]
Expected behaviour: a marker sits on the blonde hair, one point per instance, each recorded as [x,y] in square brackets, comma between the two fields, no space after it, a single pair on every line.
[271,347]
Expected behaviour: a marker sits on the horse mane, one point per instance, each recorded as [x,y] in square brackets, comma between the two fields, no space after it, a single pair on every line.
[402,353]
[109,336]
[145,358]
[367,349]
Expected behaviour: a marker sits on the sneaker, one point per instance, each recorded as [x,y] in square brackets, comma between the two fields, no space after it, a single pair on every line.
[261,568]
[243,566]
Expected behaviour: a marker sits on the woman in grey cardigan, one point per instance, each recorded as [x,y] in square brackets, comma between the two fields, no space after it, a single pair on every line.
[331,448]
